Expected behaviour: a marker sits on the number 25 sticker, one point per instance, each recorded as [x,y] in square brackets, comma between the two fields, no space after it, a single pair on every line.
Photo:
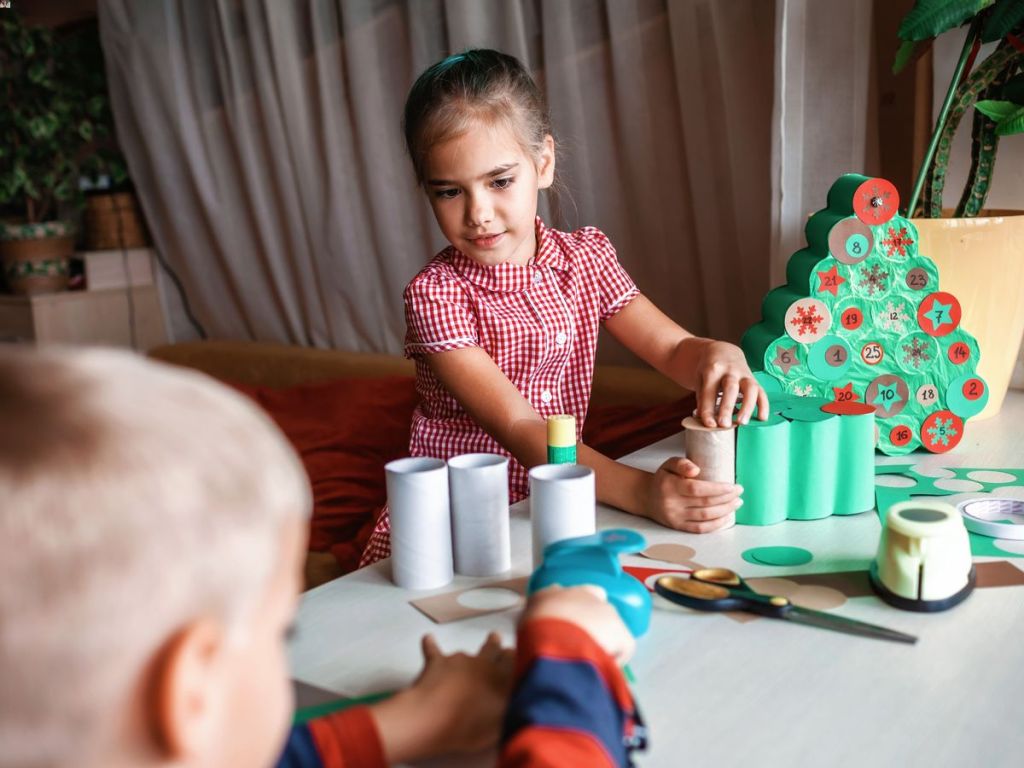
[872,353]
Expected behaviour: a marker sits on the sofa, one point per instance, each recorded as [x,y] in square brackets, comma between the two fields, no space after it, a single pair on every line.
[348,413]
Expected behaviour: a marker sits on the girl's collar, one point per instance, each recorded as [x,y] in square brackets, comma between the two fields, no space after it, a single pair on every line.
[510,278]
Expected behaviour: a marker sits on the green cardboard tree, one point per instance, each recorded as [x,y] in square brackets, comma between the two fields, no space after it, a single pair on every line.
[862,321]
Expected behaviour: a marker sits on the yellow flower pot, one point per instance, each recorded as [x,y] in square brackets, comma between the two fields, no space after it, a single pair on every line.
[981,262]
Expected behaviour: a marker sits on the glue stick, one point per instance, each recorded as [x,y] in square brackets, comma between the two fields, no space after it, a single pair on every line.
[562,439]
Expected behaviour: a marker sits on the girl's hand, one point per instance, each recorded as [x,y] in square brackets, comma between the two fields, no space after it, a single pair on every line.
[722,369]
[676,499]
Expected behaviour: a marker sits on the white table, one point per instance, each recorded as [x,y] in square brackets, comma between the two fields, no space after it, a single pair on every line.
[718,693]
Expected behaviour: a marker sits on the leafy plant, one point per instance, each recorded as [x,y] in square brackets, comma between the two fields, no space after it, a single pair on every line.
[994,87]
[57,125]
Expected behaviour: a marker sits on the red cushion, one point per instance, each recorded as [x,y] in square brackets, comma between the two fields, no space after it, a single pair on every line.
[345,431]
[616,430]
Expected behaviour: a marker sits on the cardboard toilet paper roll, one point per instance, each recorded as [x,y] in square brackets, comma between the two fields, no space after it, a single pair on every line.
[479,494]
[713,449]
[562,505]
[421,525]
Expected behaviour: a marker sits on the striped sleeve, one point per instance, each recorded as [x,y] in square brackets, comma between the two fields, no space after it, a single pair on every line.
[571,705]
[616,287]
[438,316]
[346,739]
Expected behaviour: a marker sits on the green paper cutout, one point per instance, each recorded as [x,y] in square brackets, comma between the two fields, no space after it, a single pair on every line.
[886,496]
[778,556]
[759,446]
[866,306]
[305,714]
[813,464]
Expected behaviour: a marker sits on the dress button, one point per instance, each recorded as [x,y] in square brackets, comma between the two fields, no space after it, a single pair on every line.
[560,338]
[538,277]
[545,396]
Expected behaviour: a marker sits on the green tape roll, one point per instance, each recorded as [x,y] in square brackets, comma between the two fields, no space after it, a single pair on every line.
[813,462]
[855,481]
[762,447]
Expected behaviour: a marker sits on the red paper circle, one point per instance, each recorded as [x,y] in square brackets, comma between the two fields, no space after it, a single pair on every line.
[852,318]
[848,408]
[948,430]
[900,435]
[973,389]
[959,353]
[939,307]
[876,201]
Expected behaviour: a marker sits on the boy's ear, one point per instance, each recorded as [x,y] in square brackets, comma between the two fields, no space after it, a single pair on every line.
[186,692]
[546,163]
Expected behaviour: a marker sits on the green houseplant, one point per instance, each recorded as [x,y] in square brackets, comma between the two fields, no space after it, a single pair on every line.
[56,128]
[978,252]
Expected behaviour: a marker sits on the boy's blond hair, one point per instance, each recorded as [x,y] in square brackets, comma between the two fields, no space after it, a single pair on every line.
[134,498]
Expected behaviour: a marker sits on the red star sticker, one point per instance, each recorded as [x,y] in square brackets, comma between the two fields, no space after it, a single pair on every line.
[845,394]
[830,281]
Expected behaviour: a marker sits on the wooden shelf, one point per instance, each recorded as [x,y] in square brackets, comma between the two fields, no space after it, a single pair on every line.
[102,317]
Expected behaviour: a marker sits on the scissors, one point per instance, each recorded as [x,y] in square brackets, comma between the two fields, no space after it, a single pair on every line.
[719,589]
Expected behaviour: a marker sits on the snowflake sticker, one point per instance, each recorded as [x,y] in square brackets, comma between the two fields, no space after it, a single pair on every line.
[808,320]
[897,242]
[941,431]
[802,391]
[874,281]
[916,354]
[894,318]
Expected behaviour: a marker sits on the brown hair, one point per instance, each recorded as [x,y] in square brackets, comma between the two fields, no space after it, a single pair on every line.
[479,84]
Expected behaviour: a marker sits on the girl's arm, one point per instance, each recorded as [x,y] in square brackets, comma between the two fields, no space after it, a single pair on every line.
[706,366]
[671,496]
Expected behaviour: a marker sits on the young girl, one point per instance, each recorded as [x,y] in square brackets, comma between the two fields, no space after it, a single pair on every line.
[503,323]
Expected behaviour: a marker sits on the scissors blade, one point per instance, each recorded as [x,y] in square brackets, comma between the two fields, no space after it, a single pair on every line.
[842,624]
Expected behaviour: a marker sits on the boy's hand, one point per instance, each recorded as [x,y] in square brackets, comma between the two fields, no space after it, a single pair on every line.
[678,500]
[722,369]
[456,704]
[588,608]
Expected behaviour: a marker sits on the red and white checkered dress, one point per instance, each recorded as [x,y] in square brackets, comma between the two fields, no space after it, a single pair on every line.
[538,322]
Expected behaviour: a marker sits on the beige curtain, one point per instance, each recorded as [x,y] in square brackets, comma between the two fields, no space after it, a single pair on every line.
[263,137]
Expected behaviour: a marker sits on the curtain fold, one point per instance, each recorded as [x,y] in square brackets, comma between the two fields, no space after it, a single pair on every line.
[264,141]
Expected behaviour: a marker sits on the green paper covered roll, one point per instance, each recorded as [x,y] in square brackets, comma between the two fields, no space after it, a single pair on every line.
[801,268]
[754,343]
[855,482]
[813,462]
[762,450]
[776,304]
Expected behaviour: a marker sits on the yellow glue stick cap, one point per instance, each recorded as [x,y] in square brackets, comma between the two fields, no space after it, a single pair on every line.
[562,431]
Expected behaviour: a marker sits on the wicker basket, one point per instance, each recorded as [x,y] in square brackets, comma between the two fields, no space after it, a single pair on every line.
[114,221]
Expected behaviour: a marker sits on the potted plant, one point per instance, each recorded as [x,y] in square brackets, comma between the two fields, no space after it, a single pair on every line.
[55,120]
[978,252]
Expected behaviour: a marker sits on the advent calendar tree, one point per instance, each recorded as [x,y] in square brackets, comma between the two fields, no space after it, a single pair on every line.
[861,319]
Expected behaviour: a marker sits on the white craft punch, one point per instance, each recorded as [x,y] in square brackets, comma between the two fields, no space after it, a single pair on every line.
[924,557]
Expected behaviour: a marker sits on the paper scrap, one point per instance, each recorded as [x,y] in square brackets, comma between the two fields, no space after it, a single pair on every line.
[460,604]
[778,556]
